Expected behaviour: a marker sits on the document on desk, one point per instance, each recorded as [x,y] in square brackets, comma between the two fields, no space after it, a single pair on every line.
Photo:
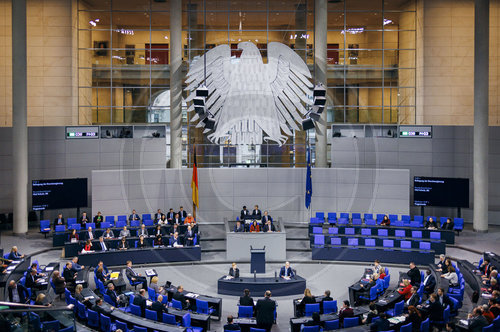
[149,303]
[192,295]
[464,322]
[114,275]
[49,268]
[150,272]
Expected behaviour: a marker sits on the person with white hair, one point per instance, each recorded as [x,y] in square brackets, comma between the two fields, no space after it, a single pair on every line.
[286,271]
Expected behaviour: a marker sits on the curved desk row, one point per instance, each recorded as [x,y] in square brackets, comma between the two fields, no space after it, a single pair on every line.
[141,256]
[441,234]
[214,303]
[439,247]
[296,323]
[258,286]
[15,271]
[369,254]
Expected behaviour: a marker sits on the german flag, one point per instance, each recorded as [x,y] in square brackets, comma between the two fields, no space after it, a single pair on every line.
[194,182]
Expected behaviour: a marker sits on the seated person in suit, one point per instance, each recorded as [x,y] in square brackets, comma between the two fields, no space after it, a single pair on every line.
[381,324]
[143,231]
[132,275]
[159,307]
[163,220]
[269,227]
[175,241]
[266,217]
[59,220]
[124,232]
[123,245]
[245,214]
[73,236]
[189,219]
[432,309]
[182,214]
[141,243]
[414,298]
[159,240]
[327,296]
[170,215]
[345,311]
[18,293]
[234,271]
[429,282]
[238,228]
[254,228]
[256,213]
[105,269]
[108,234]
[158,215]
[179,296]
[246,300]
[110,291]
[31,279]
[98,219]
[84,219]
[449,224]
[89,235]
[231,326]
[158,231]
[194,227]
[102,245]
[154,285]
[88,246]
[58,281]
[365,288]
[134,216]
[386,221]
[70,277]
[14,254]
[286,271]
[102,276]
[173,229]
[307,299]
[100,309]
[431,224]
[440,263]
[189,237]
[75,266]
[177,220]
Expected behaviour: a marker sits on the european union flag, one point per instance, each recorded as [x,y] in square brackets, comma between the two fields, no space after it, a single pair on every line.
[309,186]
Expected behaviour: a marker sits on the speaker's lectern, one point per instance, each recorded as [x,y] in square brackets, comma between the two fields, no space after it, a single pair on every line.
[258,260]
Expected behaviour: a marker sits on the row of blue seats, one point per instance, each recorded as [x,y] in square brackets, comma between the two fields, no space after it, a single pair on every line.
[45,225]
[356,219]
[319,242]
[380,232]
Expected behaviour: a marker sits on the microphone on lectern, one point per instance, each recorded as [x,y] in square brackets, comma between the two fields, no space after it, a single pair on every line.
[255,275]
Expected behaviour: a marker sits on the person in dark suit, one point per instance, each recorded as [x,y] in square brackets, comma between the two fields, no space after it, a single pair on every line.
[230,326]
[140,300]
[159,307]
[143,231]
[98,219]
[112,294]
[286,271]
[246,299]
[141,243]
[269,227]
[102,246]
[256,213]
[477,321]
[371,314]
[59,282]
[173,229]
[307,299]
[84,219]
[132,275]
[70,277]
[108,234]
[234,271]
[89,234]
[158,215]
[101,275]
[449,224]
[134,216]
[59,220]
[177,220]
[17,293]
[175,240]
[414,299]
[443,299]
[265,218]
[326,298]
[265,309]
[381,324]
[179,296]
[75,266]
[429,283]
[365,289]
[433,309]
[244,214]
[238,228]
[414,275]
[345,311]
[170,215]
[14,254]
[431,224]
[182,214]
[414,317]
[189,237]
[97,307]
[31,279]
[123,245]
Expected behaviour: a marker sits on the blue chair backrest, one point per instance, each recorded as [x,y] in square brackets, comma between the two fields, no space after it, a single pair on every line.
[373,293]
[109,300]
[406,328]
[352,242]
[356,215]
[90,224]
[67,329]
[122,218]
[435,235]
[405,244]
[148,222]
[380,216]
[405,217]
[416,234]
[400,233]
[442,220]
[320,215]
[388,243]
[459,223]
[357,221]
[332,325]
[245,311]
[310,308]
[455,303]
[424,327]
[60,228]
[310,328]
[135,223]
[383,232]
[387,281]
[93,318]
[349,231]
[202,307]
[71,221]
[135,310]
[370,222]
[393,217]
[50,326]
[418,218]
[44,224]
[169,319]
[366,231]
[186,320]
[398,308]
[319,239]
[344,215]
[333,230]
[105,323]
[318,230]
[335,241]
[75,226]
[254,329]
[151,294]
[140,329]
[330,307]
[446,314]
[350,322]
[176,304]
[121,223]
[105,224]
[150,314]
[110,219]
[332,216]
[416,224]
[368,216]
[489,328]
[425,245]
[121,325]
[146,216]
[80,310]
[496,322]
[369,242]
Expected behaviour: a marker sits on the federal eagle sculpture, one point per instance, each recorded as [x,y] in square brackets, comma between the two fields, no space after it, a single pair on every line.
[249,100]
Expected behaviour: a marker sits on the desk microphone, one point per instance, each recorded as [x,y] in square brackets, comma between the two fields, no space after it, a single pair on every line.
[255,275]
[275,276]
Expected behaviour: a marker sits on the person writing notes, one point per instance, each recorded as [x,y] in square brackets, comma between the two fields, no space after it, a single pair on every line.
[286,272]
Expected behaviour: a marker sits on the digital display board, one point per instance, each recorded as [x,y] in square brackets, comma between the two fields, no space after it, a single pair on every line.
[59,194]
[415,131]
[433,191]
[82,132]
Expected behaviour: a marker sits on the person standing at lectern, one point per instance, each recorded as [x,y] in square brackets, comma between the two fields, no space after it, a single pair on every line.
[286,271]
[265,312]
[234,271]
[256,214]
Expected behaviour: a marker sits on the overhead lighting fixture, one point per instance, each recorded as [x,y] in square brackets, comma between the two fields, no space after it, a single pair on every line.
[353,31]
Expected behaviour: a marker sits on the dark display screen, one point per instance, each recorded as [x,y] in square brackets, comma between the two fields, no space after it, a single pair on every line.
[449,192]
[59,194]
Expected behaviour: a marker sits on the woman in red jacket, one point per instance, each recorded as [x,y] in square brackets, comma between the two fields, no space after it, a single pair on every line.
[406,290]
[255,227]
[88,246]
